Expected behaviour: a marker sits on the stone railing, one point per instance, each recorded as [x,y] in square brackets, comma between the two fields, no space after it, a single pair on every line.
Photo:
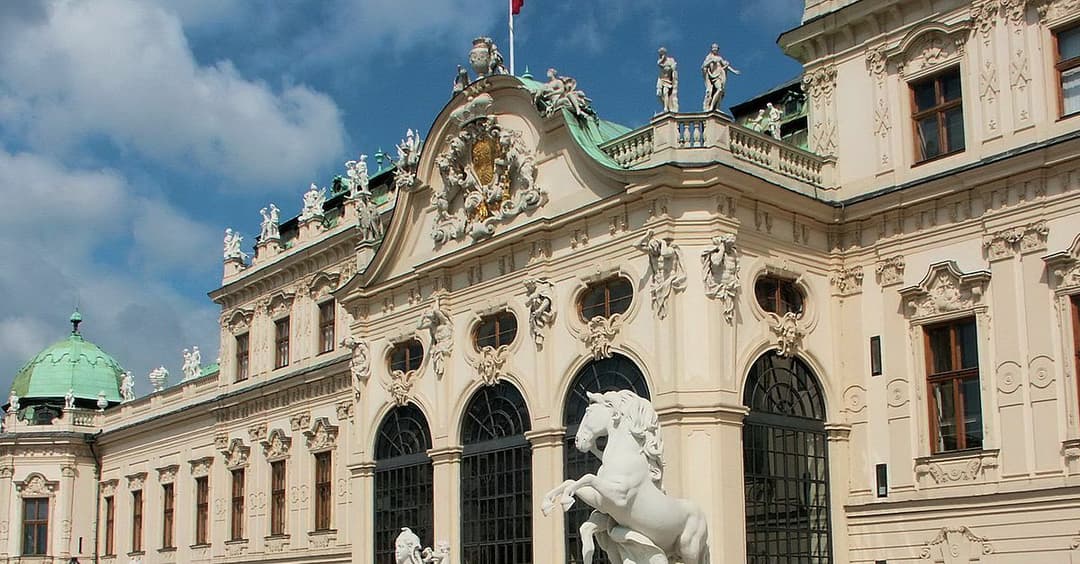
[83,417]
[713,137]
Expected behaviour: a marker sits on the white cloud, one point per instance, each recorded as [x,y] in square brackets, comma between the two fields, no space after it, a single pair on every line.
[124,70]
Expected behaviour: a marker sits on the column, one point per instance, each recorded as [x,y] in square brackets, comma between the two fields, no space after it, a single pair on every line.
[362,479]
[547,472]
[6,508]
[446,487]
[839,435]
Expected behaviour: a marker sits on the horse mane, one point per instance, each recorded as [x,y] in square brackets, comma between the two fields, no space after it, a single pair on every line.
[643,424]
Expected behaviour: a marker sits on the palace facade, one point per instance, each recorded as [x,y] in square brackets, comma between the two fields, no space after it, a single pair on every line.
[864,350]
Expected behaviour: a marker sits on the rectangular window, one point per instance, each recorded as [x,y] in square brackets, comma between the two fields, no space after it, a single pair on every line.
[1068,68]
[938,115]
[35,526]
[243,354]
[277,497]
[952,367]
[882,471]
[326,327]
[236,530]
[136,520]
[875,355]
[110,527]
[168,506]
[323,490]
[281,343]
[202,510]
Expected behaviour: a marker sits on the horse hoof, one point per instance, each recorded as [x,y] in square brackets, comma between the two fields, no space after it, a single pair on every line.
[568,502]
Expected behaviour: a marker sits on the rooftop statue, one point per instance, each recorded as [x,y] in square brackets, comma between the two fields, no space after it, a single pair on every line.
[127,387]
[369,221]
[232,246]
[561,92]
[715,69]
[758,122]
[461,79]
[357,172]
[158,377]
[408,159]
[775,115]
[667,84]
[192,367]
[69,399]
[314,200]
[634,521]
[270,223]
[485,58]
[13,402]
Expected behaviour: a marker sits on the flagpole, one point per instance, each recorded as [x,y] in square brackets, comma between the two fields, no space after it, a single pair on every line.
[510,6]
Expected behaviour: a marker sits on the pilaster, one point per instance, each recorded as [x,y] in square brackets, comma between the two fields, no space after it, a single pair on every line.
[446,484]
[547,463]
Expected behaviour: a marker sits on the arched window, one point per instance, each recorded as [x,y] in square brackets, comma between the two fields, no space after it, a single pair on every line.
[785,464]
[403,478]
[496,478]
[615,373]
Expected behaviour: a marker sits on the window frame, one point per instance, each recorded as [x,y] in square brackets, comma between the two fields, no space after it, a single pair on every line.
[777,294]
[606,284]
[327,326]
[1062,66]
[242,342]
[168,516]
[278,486]
[498,333]
[236,515]
[939,110]
[957,375]
[110,526]
[202,510]
[40,528]
[324,490]
[281,342]
[405,345]
[138,505]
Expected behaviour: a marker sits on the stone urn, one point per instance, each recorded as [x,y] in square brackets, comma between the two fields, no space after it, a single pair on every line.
[480,56]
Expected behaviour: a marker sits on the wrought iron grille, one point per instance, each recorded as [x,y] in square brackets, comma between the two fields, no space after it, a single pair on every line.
[785,464]
[403,480]
[496,479]
[615,373]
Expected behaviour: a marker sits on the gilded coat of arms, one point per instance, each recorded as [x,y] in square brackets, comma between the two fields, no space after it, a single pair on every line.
[488,170]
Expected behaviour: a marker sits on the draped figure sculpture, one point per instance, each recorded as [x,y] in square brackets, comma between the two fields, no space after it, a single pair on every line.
[667,83]
[714,69]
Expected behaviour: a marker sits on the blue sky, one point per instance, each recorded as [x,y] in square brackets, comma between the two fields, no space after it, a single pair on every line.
[133,132]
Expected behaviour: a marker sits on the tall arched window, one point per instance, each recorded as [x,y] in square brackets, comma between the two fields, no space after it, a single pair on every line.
[785,464]
[403,478]
[615,373]
[496,478]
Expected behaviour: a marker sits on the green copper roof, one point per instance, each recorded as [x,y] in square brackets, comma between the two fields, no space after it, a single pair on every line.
[71,364]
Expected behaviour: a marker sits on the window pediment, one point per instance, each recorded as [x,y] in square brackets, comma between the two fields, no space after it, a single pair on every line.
[236,453]
[35,485]
[945,289]
[279,302]
[276,445]
[928,48]
[1064,267]
[239,320]
[322,435]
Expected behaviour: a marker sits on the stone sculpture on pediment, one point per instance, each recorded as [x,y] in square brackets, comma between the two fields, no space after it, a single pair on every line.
[356,173]
[561,92]
[485,58]
[369,222]
[127,387]
[945,289]
[158,378]
[1064,266]
[720,272]
[461,80]
[540,299]
[440,330]
[666,270]
[408,159]
[488,176]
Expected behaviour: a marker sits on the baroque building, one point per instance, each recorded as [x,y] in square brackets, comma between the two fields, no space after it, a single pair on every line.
[861,334]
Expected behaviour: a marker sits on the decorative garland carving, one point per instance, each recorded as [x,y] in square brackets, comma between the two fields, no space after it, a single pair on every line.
[890,270]
[257,432]
[1017,240]
[945,289]
[489,168]
[136,481]
[847,280]
[954,545]
[300,421]
[167,474]
[35,485]
[200,467]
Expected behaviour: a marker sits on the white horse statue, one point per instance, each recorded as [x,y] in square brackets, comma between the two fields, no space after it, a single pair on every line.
[634,520]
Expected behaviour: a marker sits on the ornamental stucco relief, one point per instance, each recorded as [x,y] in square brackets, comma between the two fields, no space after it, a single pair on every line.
[440,335]
[359,361]
[788,331]
[276,445]
[489,363]
[890,270]
[720,272]
[540,299]
[236,454]
[955,545]
[945,289]
[599,334]
[322,435]
[1064,267]
[1017,240]
[666,272]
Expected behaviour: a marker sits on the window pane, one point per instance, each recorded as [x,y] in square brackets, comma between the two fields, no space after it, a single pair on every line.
[940,350]
[592,304]
[929,143]
[954,129]
[972,413]
[967,338]
[1069,44]
[924,96]
[945,407]
[1070,90]
[950,86]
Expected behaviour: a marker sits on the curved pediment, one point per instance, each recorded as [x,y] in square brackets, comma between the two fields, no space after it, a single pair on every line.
[490,165]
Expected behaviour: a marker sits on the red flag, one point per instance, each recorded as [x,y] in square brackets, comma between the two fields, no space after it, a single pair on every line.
[515,6]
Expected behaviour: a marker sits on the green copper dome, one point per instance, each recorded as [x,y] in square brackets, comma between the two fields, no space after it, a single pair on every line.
[71,364]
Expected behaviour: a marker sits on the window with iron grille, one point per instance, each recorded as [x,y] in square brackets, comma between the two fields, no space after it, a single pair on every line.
[778,295]
[281,343]
[1068,68]
[785,464]
[606,298]
[406,355]
[326,326]
[236,528]
[598,376]
[202,510]
[110,526]
[277,497]
[324,490]
[938,115]
[496,478]
[35,526]
[243,354]
[952,368]
[496,330]
[168,506]
[136,521]
[403,480]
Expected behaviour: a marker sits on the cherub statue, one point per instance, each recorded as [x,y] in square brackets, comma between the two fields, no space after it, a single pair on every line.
[667,83]
[714,69]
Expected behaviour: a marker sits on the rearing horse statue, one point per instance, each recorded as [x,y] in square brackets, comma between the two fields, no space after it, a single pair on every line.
[634,521]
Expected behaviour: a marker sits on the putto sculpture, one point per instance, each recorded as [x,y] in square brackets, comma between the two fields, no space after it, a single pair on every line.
[561,92]
[232,246]
[667,83]
[714,69]
[270,221]
[634,521]
[314,200]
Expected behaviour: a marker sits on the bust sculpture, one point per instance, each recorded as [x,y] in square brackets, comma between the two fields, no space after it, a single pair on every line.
[634,521]
[714,69]
[667,83]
